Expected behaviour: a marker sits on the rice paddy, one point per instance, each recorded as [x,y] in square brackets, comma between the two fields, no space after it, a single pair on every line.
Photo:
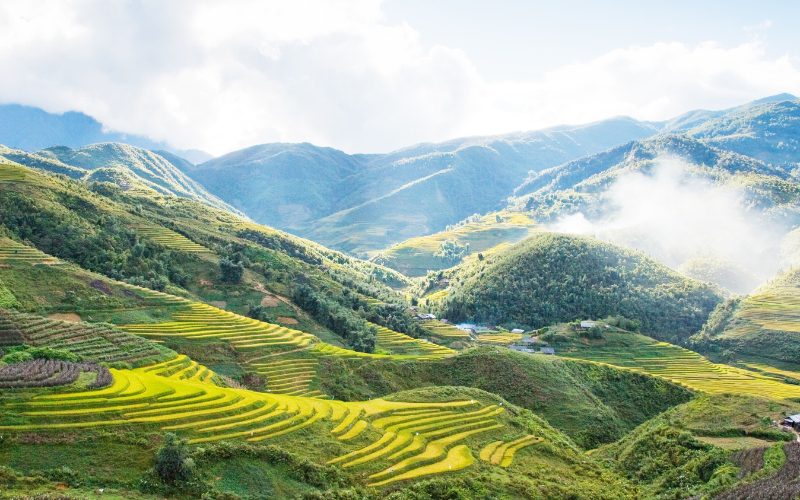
[680,366]
[415,439]
[445,331]
[17,253]
[98,343]
[399,343]
[502,453]
[169,238]
[12,173]
[499,338]
[199,321]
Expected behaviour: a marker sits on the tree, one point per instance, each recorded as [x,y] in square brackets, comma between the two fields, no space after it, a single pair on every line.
[231,270]
[172,464]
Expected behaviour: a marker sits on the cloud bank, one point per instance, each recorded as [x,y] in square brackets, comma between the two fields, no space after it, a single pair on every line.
[689,223]
[224,75]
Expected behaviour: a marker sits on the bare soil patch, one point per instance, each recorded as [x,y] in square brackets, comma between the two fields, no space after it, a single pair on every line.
[286,320]
[99,285]
[73,317]
[270,301]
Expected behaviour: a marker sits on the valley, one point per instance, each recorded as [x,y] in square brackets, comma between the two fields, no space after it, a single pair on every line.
[446,348]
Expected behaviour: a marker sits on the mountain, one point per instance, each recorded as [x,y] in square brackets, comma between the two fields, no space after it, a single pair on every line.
[551,278]
[767,131]
[359,203]
[127,166]
[30,129]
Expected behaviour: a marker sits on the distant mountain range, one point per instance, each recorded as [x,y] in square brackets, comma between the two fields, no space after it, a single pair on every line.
[362,203]
[359,203]
[31,129]
[129,167]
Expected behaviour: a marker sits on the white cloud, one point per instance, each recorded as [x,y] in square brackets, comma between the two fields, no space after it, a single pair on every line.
[224,75]
[677,217]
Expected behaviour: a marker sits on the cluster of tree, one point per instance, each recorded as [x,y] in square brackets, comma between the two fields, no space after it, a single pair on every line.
[554,278]
[345,322]
[75,230]
[451,252]
[231,265]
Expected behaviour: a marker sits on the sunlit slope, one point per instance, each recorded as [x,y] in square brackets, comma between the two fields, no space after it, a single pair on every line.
[389,440]
[417,256]
[286,358]
[677,364]
[763,326]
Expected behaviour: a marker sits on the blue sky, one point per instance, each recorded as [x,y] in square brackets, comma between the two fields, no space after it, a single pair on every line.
[372,75]
[518,39]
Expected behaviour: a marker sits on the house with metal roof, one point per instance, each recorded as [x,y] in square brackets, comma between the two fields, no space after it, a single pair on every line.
[792,421]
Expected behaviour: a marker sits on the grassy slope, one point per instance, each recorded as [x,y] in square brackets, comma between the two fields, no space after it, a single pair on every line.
[39,204]
[764,326]
[563,392]
[637,352]
[551,277]
[416,256]
[668,457]
[553,458]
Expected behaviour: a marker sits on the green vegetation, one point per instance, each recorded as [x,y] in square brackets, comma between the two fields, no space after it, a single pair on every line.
[474,235]
[621,400]
[667,457]
[764,326]
[551,278]
[629,350]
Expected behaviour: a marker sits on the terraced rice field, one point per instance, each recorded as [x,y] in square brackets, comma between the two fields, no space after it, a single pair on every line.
[500,338]
[445,331]
[93,342]
[15,253]
[502,453]
[180,368]
[169,238]
[292,376]
[199,321]
[683,366]
[415,439]
[399,343]
[778,308]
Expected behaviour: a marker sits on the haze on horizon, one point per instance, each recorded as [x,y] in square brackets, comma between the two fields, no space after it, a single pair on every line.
[372,76]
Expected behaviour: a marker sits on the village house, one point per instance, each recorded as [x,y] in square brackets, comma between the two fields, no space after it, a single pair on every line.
[548,350]
[522,348]
[792,421]
[517,330]
[588,324]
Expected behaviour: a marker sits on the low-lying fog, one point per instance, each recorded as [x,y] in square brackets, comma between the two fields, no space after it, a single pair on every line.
[689,223]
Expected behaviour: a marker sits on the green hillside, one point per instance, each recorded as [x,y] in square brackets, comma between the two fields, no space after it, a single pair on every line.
[180,246]
[551,278]
[129,167]
[442,250]
[763,326]
[703,447]
[617,398]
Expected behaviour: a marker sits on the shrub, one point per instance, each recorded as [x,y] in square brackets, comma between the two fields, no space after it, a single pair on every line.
[172,464]
[17,357]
